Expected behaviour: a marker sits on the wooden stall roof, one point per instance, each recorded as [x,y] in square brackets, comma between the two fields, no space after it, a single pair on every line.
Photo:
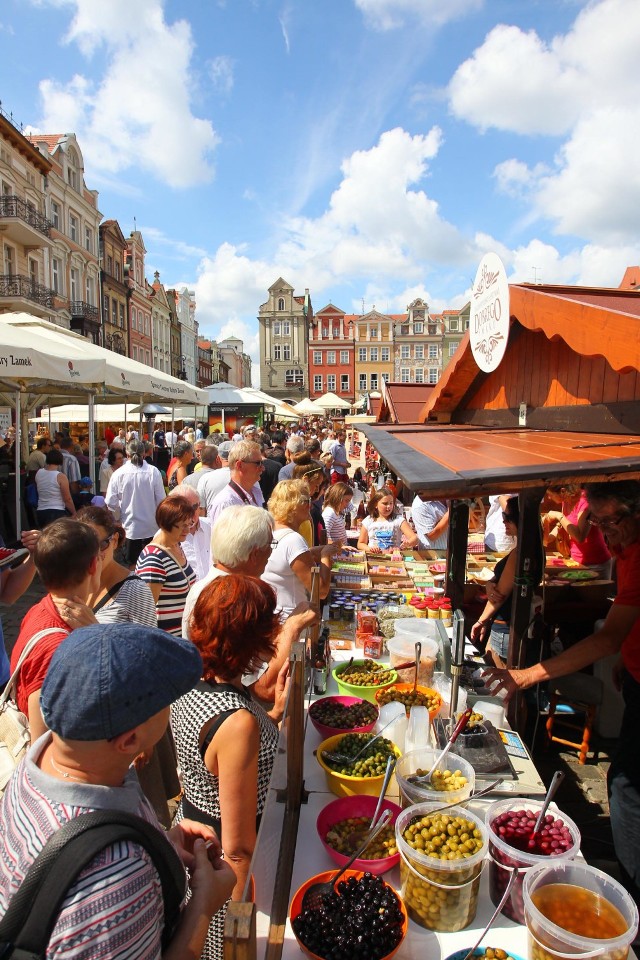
[462,461]
[592,321]
[403,402]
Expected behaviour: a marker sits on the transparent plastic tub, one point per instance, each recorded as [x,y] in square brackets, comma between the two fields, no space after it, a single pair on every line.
[550,941]
[439,894]
[423,759]
[402,648]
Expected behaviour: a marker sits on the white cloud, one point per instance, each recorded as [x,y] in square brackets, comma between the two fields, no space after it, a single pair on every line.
[178,248]
[583,86]
[591,265]
[221,71]
[391,14]
[138,113]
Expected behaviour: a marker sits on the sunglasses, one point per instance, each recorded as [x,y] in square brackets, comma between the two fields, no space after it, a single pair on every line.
[104,544]
[609,521]
[256,463]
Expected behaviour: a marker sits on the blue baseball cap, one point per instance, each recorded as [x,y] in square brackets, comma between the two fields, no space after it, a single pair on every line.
[108,678]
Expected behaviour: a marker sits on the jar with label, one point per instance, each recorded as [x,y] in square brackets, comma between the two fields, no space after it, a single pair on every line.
[373,646]
[367,621]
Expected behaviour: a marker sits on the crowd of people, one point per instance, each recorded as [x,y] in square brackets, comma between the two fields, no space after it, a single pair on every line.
[160,671]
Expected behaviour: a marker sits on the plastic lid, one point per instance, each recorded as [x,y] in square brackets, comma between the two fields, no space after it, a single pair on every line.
[404,645]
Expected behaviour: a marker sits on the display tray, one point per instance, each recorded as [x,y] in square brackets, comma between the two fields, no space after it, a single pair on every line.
[484,751]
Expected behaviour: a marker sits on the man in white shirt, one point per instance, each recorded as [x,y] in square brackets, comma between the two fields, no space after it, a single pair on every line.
[431,520]
[340,463]
[197,546]
[495,534]
[241,543]
[243,489]
[133,495]
[70,465]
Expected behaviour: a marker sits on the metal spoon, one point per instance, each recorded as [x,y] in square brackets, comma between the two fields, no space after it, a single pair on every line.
[459,727]
[556,780]
[505,897]
[355,837]
[418,654]
[312,899]
[460,803]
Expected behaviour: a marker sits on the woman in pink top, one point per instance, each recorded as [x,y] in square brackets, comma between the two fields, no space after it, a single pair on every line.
[588,546]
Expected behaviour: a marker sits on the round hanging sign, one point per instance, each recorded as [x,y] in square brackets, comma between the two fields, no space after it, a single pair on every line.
[489,321]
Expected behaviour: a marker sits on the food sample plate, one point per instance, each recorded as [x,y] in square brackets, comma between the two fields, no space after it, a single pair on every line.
[576,576]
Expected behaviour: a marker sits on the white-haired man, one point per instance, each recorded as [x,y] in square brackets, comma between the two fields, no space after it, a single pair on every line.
[241,543]
[243,489]
[295,444]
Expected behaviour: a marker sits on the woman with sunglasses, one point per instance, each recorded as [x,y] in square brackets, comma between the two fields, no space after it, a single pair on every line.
[496,616]
[121,597]
[587,543]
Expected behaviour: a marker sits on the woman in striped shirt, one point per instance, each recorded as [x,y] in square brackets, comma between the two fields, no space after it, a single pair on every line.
[163,565]
[336,501]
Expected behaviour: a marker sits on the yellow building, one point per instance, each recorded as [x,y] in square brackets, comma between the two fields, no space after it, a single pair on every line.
[373,350]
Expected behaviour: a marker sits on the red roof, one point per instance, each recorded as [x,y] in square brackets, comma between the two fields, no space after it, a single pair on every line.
[403,402]
[51,139]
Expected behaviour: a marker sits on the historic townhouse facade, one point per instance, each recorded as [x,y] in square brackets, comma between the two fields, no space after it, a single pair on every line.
[74,271]
[331,354]
[114,289]
[455,323]
[373,350]
[206,350]
[174,334]
[284,342]
[160,326]
[25,230]
[186,311]
[238,362]
[418,345]
[140,344]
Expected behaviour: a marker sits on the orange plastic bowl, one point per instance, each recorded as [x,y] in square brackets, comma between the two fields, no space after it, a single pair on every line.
[296,908]
[325,731]
[356,806]
[407,688]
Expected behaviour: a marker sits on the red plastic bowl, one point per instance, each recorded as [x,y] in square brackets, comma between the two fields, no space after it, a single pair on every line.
[361,805]
[296,908]
[326,731]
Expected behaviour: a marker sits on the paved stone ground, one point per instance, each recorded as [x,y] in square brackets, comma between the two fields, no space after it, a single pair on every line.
[582,795]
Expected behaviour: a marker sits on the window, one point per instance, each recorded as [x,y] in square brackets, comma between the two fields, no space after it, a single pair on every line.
[287,352]
[453,324]
[75,285]
[73,227]
[374,381]
[405,351]
[286,328]
[385,377]
[405,376]
[325,333]
[88,239]
[117,270]
[344,356]
[331,382]
[404,329]
[432,329]
[331,356]
[147,326]
[277,351]
[452,348]
[89,288]
[418,327]
[362,381]
[105,307]
[122,315]
[56,275]
[114,313]
[433,375]
[135,352]
[55,214]
[317,357]
[294,378]
[33,271]
[384,354]
[9,260]
[419,372]
[344,383]
[317,384]
[373,354]
[134,319]
[147,358]
[280,303]
[110,265]
[276,329]
[336,333]
[433,351]
[362,354]
[419,351]
[373,334]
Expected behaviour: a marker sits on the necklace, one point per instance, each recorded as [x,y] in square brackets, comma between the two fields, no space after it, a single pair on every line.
[63,773]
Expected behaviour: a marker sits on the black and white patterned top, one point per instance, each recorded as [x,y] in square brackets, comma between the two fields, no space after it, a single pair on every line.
[188,716]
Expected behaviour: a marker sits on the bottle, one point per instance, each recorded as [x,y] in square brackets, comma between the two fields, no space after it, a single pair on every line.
[321,663]
[347,520]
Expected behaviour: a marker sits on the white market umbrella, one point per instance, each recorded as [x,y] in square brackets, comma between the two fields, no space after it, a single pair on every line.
[307,407]
[331,401]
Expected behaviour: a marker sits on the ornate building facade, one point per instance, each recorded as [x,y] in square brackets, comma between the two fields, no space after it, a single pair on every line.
[114,290]
[284,342]
[331,354]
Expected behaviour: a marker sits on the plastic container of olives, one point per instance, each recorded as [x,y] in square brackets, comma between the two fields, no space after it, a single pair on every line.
[441,894]
[347,808]
[344,785]
[403,693]
[380,676]
[326,705]
[423,759]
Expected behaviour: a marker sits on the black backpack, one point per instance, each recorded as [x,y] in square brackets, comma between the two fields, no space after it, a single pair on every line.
[25,929]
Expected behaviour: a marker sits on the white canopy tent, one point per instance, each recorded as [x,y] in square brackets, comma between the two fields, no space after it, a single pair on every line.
[41,362]
[308,407]
[331,401]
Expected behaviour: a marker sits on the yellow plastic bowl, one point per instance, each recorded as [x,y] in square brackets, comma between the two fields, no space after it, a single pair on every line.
[364,692]
[340,783]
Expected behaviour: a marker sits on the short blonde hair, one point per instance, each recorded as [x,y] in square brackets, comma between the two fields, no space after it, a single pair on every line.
[286,498]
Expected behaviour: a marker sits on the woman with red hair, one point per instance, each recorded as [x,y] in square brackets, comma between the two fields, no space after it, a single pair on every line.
[225,742]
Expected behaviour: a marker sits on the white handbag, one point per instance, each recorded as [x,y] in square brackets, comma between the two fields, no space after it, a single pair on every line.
[14,726]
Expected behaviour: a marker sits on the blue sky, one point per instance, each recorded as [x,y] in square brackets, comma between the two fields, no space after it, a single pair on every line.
[370,150]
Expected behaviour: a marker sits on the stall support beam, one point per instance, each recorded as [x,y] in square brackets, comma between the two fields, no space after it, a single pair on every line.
[529,537]
[457,551]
